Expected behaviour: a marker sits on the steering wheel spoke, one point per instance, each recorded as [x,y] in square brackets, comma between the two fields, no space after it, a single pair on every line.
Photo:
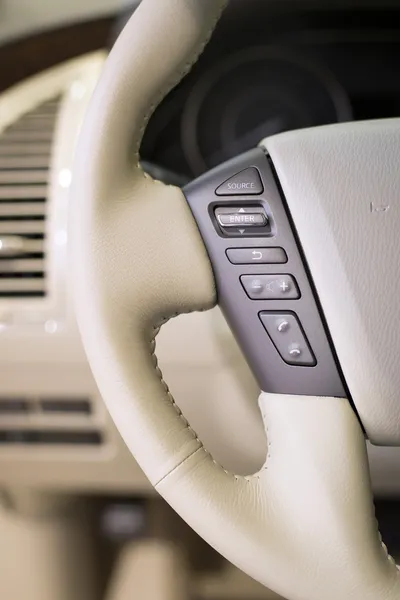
[146,264]
[289,525]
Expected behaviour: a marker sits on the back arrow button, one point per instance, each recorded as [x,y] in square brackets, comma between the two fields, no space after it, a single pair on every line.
[263,256]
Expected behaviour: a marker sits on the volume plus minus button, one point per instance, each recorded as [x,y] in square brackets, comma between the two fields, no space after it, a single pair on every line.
[270,287]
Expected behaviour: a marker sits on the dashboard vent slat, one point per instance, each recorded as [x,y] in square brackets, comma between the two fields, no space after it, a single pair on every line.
[22,192]
[47,109]
[26,246]
[70,406]
[28,135]
[17,227]
[25,156]
[38,123]
[17,163]
[21,149]
[23,177]
[20,287]
[13,406]
[50,437]
[48,420]
[18,209]
[8,266]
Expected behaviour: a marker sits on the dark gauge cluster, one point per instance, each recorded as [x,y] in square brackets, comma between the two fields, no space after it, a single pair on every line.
[252,95]
[273,67]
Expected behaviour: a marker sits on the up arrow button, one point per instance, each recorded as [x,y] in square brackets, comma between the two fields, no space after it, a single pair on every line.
[245,183]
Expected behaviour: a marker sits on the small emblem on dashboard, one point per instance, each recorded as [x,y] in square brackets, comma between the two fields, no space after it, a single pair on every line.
[379,208]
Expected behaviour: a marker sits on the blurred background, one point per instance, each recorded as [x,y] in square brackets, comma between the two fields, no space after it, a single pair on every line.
[78,519]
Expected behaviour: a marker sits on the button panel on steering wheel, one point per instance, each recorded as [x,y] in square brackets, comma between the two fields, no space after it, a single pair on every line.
[263,286]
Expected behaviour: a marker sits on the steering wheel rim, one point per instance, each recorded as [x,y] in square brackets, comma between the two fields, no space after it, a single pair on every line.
[136,248]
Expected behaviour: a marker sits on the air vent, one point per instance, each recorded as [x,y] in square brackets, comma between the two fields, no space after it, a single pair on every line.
[25,155]
[70,406]
[13,406]
[50,437]
[47,421]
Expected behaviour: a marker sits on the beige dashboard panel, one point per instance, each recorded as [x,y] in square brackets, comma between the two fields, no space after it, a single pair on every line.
[19,18]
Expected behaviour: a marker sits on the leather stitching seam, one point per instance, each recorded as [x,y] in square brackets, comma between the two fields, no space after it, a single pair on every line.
[197,52]
[247,478]
[169,85]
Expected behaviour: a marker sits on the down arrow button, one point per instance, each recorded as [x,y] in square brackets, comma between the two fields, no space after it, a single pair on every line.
[245,183]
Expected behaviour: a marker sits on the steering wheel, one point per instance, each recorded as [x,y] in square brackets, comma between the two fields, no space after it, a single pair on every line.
[298,243]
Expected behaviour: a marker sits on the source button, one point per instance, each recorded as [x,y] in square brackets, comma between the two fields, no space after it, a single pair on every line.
[245,183]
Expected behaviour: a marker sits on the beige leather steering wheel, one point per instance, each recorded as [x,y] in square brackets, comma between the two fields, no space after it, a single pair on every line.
[139,260]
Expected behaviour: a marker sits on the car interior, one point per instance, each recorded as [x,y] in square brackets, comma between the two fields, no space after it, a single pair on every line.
[199,324]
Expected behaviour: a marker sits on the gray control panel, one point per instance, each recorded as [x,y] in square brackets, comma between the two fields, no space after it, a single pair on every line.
[262,282]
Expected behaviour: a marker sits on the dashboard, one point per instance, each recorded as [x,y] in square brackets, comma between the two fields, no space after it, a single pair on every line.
[272,68]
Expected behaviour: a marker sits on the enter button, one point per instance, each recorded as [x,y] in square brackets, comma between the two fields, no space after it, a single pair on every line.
[242,219]
[263,256]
